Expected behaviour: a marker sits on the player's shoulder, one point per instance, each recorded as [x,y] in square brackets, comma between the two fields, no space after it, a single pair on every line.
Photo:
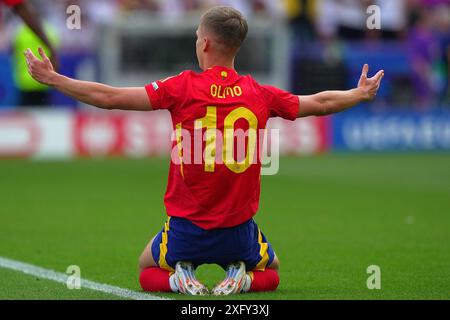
[177,77]
[258,87]
[250,81]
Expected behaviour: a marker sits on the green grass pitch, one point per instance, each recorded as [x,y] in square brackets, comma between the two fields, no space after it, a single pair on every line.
[328,217]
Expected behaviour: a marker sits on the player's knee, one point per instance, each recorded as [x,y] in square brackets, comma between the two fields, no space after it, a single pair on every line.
[141,264]
[275,265]
[145,262]
[146,259]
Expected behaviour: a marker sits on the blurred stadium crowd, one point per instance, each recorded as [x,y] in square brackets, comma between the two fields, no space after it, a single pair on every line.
[329,38]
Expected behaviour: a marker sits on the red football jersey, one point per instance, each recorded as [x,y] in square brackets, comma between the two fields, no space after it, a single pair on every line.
[11,3]
[219,186]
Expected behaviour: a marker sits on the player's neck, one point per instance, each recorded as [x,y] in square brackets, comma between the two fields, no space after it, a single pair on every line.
[219,62]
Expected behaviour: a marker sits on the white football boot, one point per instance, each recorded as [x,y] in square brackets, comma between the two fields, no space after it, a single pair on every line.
[184,280]
[236,280]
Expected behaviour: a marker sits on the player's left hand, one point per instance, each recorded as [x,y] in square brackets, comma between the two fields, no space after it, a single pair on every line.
[41,70]
[369,86]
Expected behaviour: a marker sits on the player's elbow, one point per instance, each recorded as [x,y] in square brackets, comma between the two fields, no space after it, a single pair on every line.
[316,105]
[326,108]
[109,101]
[323,107]
[107,104]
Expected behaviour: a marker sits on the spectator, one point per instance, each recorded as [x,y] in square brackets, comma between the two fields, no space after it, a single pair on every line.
[243,6]
[32,93]
[442,20]
[424,51]
[351,18]
[393,18]
[25,10]
[326,20]
[173,9]
[301,15]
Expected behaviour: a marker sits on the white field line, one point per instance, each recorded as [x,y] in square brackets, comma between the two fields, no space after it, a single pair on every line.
[62,278]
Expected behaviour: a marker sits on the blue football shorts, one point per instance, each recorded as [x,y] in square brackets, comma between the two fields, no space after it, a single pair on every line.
[181,240]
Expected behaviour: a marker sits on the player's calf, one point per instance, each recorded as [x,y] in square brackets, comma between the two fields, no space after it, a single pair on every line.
[183,280]
[155,279]
[261,281]
[267,280]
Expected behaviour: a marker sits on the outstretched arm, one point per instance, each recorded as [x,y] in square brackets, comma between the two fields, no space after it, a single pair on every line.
[26,11]
[96,94]
[329,102]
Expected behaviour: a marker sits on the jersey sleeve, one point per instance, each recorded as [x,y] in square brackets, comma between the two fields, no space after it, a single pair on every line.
[165,94]
[281,103]
[11,3]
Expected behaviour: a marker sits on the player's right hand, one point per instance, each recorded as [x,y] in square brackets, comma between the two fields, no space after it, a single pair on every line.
[41,70]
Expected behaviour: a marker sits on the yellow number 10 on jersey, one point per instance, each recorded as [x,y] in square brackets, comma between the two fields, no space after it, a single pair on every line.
[210,123]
